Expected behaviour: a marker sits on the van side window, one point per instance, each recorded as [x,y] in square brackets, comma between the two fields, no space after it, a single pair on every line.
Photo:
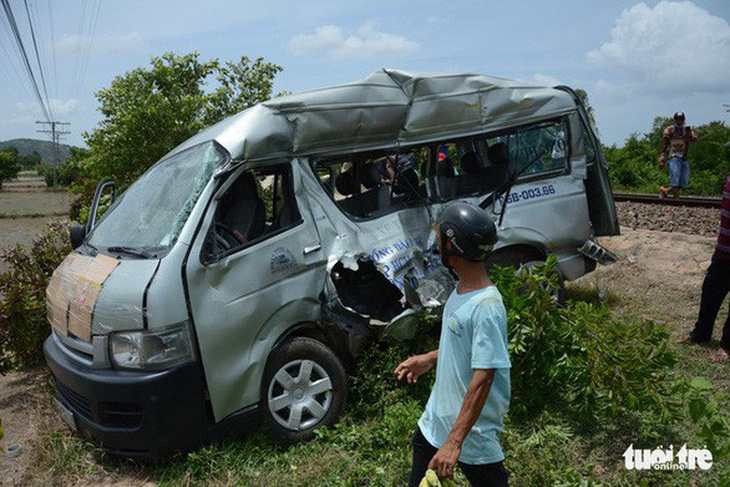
[464,168]
[484,164]
[538,150]
[258,204]
[370,185]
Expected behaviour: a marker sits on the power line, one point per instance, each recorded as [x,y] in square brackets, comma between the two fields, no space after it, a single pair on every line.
[24,56]
[95,9]
[38,58]
[80,42]
[11,56]
[53,49]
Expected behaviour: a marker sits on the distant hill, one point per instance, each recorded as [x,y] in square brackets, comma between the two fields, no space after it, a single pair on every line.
[26,147]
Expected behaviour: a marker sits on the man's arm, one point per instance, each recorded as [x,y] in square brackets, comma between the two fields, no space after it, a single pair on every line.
[476,396]
[416,366]
[665,144]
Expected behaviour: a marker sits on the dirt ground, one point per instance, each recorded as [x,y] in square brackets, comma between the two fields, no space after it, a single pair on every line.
[31,202]
[28,196]
[658,277]
[25,410]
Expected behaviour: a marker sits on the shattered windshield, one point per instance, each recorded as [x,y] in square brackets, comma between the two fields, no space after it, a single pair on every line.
[151,213]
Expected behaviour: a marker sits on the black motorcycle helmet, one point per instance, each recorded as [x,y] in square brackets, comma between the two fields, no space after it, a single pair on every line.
[470,231]
[679,117]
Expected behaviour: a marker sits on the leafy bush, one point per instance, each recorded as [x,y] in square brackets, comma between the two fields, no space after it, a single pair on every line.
[64,174]
[703,408]
[23,323]
[579,357]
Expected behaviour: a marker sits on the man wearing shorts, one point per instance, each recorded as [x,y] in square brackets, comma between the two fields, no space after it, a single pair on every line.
[676,138]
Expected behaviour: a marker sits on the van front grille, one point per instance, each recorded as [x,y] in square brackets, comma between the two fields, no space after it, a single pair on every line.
[78,403]
[121,414]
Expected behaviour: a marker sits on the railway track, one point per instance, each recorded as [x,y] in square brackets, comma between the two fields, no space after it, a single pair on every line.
[692,201]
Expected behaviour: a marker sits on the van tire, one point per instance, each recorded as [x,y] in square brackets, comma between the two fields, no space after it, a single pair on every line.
[559,293]
[294,417]
[526,257]
[513,256]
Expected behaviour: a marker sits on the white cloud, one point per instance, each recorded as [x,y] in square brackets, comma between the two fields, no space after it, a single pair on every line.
[605,87]
[103,44]
[673,46]
[366,42]
[22,112]
[63,107]
[544,80]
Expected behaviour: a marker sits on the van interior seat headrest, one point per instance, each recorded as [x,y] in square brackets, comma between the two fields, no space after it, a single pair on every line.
[347,184]
[370,175]
[471,163]
[499,154]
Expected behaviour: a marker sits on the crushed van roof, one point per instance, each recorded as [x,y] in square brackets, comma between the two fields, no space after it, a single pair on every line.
[386,109]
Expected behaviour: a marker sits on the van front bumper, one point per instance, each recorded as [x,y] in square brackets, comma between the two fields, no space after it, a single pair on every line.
[133,414]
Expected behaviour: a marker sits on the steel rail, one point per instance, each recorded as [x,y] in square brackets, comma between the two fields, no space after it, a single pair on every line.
[693,201]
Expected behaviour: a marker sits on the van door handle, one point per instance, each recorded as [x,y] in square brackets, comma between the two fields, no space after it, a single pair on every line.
[312,248]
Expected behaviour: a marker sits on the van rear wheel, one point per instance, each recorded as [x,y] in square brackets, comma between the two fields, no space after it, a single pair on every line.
[557,292]
[304,387]
[523,260]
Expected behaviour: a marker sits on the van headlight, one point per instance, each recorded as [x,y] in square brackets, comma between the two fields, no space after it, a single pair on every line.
[151,349]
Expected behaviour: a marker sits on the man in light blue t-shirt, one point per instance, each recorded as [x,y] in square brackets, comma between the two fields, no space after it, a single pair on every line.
[471,395]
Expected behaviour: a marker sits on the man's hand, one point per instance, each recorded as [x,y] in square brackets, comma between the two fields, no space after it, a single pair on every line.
[662,161]
[416,366]
[444,461]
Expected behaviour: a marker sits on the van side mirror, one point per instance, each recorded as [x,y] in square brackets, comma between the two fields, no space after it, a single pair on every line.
[106,183]
[77,234]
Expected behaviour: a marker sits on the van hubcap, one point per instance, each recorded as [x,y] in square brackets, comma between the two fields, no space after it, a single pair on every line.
[300,394]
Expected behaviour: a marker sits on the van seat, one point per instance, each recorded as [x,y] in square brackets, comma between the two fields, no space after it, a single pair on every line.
[245,211]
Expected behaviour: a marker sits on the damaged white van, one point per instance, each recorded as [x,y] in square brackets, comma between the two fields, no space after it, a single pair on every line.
[230,285]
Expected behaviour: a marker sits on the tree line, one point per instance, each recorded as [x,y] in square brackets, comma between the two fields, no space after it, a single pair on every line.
[634,166]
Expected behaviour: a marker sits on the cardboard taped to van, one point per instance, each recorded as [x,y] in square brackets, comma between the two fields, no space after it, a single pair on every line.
[73,290]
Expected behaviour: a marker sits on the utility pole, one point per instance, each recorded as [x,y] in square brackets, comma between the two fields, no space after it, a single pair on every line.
[55,138]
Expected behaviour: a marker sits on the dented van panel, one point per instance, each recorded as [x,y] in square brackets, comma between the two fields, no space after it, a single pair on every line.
[311,215]
[387,108]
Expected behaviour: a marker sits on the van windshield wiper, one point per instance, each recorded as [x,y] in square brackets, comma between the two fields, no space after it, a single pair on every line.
[131,251]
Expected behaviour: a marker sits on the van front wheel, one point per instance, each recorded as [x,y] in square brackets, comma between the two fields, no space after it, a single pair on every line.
[304,387]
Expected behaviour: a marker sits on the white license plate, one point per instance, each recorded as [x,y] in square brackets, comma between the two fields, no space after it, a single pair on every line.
[66,415]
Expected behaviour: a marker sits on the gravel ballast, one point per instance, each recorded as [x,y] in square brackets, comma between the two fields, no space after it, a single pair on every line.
[665,218]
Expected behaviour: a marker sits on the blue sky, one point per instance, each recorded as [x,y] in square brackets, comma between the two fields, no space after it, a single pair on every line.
[636,59]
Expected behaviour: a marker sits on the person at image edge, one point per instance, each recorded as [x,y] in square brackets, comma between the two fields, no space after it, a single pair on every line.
[716,286]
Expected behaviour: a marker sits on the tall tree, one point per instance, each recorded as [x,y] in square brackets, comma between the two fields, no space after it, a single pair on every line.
[148,111]
[583,95]
[9,167]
